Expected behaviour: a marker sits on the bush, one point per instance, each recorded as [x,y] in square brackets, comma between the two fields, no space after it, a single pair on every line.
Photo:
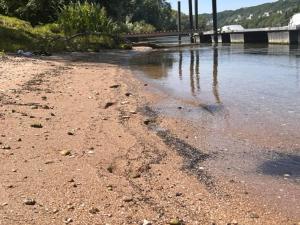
[140,27]
[86,18]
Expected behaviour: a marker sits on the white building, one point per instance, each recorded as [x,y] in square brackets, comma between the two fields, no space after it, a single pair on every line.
[295,21]
[231,28]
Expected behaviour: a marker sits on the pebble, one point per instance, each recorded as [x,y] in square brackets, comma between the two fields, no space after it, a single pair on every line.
[55,211]
[6,147]
[65,152]
[115,86]
[286,175]
[36,125]
[124,103]
[175,222]
[29,201]
[233,222]
[127,199]
[254,215]
[147,121]
[110,169]
[146,222]
[108,104]
[94,210]
[68,220]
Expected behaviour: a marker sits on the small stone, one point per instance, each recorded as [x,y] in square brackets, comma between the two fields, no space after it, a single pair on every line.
[29,201]
[71,133]
[147,121]
[55,211]
[127,199]
[128,94]
[108,104]
[287,175]
[109,187]
[36,125]
[94,210]
[115,86]
[175,222]
[34,107]
[52,114]
[6,147]
[233,222]
[44,98]
[136,175]
[146,222]
[20,139]
[178,194]
[4,204]
[65,152]
[254,215]
[124,103]
[110,168]
[68,220]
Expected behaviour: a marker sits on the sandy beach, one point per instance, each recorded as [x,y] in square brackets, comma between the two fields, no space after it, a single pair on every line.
[81,144]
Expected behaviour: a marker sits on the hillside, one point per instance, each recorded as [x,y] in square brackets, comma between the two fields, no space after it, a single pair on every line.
[265,15]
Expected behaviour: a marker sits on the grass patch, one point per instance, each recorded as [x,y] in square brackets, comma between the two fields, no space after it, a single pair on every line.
[16,34]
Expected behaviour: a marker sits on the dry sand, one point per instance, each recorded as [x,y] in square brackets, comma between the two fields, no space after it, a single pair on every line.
[79,145]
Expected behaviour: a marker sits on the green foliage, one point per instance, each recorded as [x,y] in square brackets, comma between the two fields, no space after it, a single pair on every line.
[35,11]
[85,18]
[17,34]
[139,27]
[2,53]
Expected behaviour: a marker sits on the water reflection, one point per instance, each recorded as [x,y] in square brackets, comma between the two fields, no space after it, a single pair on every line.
[164,65]
[197,70]
[215,76]
[180,65]
[192,70]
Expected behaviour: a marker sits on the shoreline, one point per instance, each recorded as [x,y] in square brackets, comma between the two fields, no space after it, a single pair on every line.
[102,154]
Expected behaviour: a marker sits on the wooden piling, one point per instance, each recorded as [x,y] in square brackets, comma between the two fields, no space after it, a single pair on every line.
[215,20]
[196,15]
[179,22]
[191,20]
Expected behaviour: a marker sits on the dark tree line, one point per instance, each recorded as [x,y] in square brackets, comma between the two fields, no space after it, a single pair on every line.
[155,12]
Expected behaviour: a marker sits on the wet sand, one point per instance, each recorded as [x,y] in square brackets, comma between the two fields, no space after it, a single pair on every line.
[81,144]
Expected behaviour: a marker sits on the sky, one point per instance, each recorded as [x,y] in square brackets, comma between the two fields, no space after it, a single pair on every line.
[205,5]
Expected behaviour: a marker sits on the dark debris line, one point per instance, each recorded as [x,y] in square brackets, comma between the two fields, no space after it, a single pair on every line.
[192,156]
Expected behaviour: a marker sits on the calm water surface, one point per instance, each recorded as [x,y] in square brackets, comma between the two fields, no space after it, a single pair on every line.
[245,101]
[256,86]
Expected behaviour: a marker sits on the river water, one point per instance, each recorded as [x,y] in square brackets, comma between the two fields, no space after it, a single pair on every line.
[245,101]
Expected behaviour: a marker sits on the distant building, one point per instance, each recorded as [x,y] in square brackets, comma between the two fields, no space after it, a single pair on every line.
[295,21]
[231,28]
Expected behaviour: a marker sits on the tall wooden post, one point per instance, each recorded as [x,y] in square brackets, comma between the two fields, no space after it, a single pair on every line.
[191,20]
[215,20]
[179,22]
[196,15]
